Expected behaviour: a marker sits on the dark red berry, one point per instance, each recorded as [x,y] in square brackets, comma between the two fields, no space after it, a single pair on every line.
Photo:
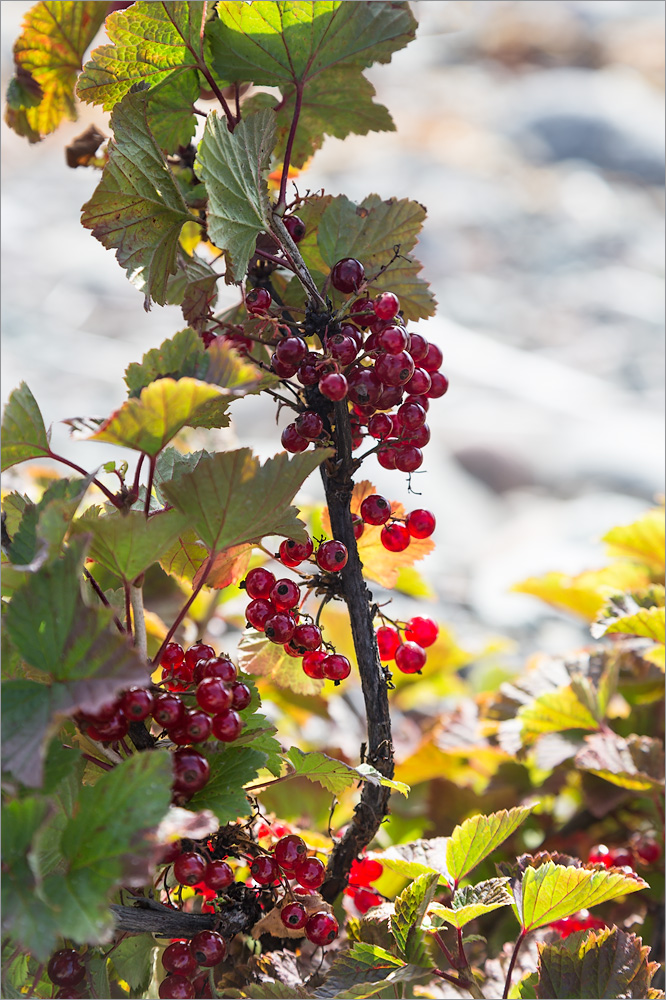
[342,348]
[209,948]
[375,509]
[388,640]
[295,227]
[386,456]
[419,438]
[227,726]
[357,525]
[386,305]
[176,987]
[439,385]
[279,628]
[419,383]
[306,638]
[408,458]
[199,651]
[365,871]
[258,612]
[218,875]
[65,967]
[220,667]
[332,556]
[391,396]
[258,300]
[365,387]
[307,374]
[241,696]
[336,667]
[292,440]
[313,664]
[259,582]
[293,915]
[621,858]
[362,313]
[418,347]
[380,426]
[393,339]
[197,725]
[191,770]
[410,658]
[285,595]
[321,928]
[293,553]
[423,631]
[648,851]
[347,275]
[213,695]
[264,870]
[282,369]
[395,537]
[394,369]
[333,386]
[365,899]
[173,655]
[137,704]
[291,351]
[179,959]
[411,416]
[289,851]
[189,868]
[309,425]
[433,359]
[168,710]
[420,523]
[110,730]
[310,872]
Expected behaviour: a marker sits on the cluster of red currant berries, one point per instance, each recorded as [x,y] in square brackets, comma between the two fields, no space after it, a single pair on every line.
[409,649]
[363,873]
[581,921]
[396,535]
[643,852]
[274,608]
[184,961]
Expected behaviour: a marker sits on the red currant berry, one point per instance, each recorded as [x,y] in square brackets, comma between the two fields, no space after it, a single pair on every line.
[418,347]
[365,387]
[375,509]
[332,556]
[433,359]
[227,726]
[220,667]
[419,438]
[218,875]
[395,537]
[295,227]
[333,386]
[213,695]
[410,658]
[321,928]
[179,959]
[394,369]
[282,369]
[199,651]
[362,313]
[380,426]
[347,275]
[293,553]
[313,664]
[189,868]
[419,384]
[423,631]
[294,916]
[292,440]
[420,523]
[408,458]
[172,655]
[168,710]
[386,456]
[336,667]
[264,870]
[393,339]
[258,300]
[310,872]
[342,348]
[65,968]
[648,851]
[191,771]
[599,855]
[259,582]
[110,730]
[258,612]
[365,899]
[208,948]
[197,726]
[357,525]
[291,351]
[307,374]
[388,640]
[176,987]
[439,385]
[365,871]
[279,628]
[391,396]
[309,425]
[411,416]
[621,858]
[241,696]
[349,330]
[386,305]
[291,649]
[137,704]
[306,638]
[289,851]
[285,595]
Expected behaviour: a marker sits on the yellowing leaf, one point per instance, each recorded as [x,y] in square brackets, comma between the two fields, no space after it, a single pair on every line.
[553,712]
[642,541]
[472,901]
[648,622]
[478,837]
[636,763]
[586,593]
[258,655]
[379,564]
[228,567]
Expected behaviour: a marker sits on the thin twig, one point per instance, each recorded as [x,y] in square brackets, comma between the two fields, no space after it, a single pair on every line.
[516,949]
[181,614]
[290,145]
[77,468]
[149,488]
[128,606]
[138,616]
[100,593]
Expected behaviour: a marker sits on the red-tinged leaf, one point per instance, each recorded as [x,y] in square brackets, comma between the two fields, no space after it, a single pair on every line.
[137,208]
[605,963]
[48,55]
[24,435]
[478,837]
[227,568]
[258,656]
[636,763]
[552,892]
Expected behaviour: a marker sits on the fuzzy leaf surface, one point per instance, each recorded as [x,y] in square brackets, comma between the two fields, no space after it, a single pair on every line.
[551,892]
[47,56]
[233,167]
[472,901]
[605,963]
[479,836]
[24,435]
[137,208]
[334,774]
[409,910]
[636,763]
[226,494]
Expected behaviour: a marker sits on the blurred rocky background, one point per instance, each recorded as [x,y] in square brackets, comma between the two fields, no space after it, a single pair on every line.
[533,133]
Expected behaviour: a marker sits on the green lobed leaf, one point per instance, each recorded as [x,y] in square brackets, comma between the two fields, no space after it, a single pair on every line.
[334,774]
[233,166]
[472,901]
[362,971]
[132,960]
[554,711]
[605,963]
[479,836]
[419,857]
[410,909]
[47,56]
[127,544]
[525,988]
[552,892]
[225,496]
[223,794]
[636,763]
[194,287]
[24,435]
[137,208]
[262,658]
[43,526]
[31,715]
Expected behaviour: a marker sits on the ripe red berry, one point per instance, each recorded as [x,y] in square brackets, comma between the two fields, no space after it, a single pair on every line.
[380,426]
[386,305]
[218,875]
[393,339]
[109,730]
[365,871]
[295,227]
[179,959]
[419,438]
[357,525]
[282,369]
[333,386]
[309,425]
[411,416]
[213,695]
[259,582]
[375,509]
[306,638]
[621,858]
[191,770]
[418,347]
[293,553]
[386,456]
[168,710]
[310,872]
[423,631]
[208,948]
[241,696]
[394,369]
[307,373]
[410,658]
[419,383]
[173,655]
[258,300]
[199,651]
[321,928]
[291,351]
[648,851]
[293,915]
[285,594]
[197,726]
[599,855]
[264,869]
[391,396]
[433,358]
[342,348]
[220,667]
[420,523]
[395,537]
[279,628]
[347,275]
[439,384]
[137,704]
[408,458]
[313,664]
[258,612]
[176,987]
[365,387]
[388,640]
[336,667]
[65,968]
[292,440]
[189,868]
[289,851]
[362,313]
[227,726]
[332,556]
[365,899]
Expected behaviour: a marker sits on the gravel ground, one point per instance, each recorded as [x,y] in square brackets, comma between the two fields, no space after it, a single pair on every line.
[533,132]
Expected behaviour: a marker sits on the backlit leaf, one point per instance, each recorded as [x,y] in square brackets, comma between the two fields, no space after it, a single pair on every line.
[419,857]
[605,963]
[48,55]
[233,165]
[258,656]
[552,892]
[636,762]
[361,972]
[410,909]
[334,774]
[472,901]
[24,435]
[137,208]
[194,286]
[478,837]
[554,711]
[223,794]
[225,496]
[648,622]
[642,541]
[127,544]
[586,593]
[163,408]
